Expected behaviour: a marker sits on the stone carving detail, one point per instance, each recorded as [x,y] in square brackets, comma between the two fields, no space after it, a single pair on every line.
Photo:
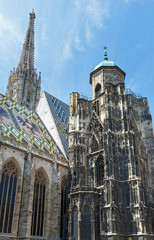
[24,77]
[114,164]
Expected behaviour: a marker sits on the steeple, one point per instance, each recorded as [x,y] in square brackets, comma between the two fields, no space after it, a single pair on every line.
[24,85]
[27,55]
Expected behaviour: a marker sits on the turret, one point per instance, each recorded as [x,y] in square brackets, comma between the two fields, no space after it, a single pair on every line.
[109,193]
[104,73]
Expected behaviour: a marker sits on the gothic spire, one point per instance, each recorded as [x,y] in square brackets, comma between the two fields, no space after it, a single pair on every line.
[27,55]
[24,84]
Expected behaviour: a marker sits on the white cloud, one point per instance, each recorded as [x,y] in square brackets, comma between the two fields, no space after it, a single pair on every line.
[82,19]
[78,44]
[10,37]
[44,35]
[97,12]
[88,33]
[7,26]
[131,84]
[64,52]
[77,3]
[67,51]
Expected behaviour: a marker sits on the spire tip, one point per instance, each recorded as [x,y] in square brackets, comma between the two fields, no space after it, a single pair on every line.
[105,54]
[32,14]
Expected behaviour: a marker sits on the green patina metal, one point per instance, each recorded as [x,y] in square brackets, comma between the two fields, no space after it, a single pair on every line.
[105,56]
[105,62]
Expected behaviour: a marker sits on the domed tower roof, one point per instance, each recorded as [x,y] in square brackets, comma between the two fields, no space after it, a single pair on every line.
[105,62]
[105,65]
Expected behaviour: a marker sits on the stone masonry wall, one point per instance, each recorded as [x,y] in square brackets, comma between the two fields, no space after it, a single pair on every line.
[27,165]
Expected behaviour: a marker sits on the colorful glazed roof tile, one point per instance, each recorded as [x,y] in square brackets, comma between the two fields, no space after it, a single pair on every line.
[60,113]
[25,126]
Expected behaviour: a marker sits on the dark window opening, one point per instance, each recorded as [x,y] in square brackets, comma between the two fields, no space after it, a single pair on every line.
[29,96]
[38,205]
[7,196]
[94,144]
[99,171]
[96,106]
[64,209]
[97,90]
[153,225]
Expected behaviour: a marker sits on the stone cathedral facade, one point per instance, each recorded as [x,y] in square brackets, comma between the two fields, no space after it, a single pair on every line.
[78,172]
[33,161]
[111,160]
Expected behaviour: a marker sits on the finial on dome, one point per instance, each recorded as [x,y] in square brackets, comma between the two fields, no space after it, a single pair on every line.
[32,10]
[105,54]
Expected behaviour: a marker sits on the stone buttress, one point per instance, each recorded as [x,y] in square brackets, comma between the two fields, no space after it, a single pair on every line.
[110,195]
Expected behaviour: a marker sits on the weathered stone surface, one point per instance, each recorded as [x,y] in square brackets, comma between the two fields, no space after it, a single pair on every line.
[24,85]
[109,146]
[27,165]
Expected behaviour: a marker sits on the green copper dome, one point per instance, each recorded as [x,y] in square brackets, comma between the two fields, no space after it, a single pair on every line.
[105,62]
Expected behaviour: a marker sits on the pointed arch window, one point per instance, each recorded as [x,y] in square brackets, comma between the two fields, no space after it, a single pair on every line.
[99,170]
[97,90]
[29,96]
[8,187]
[38,204]
[94,144]
[64,208]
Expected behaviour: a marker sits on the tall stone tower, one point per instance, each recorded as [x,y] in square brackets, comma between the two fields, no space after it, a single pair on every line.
[24,85]
[110,196]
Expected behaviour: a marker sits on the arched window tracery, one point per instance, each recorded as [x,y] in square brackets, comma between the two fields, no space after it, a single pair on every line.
[37,227]
[99,170]
[94,144]
[8,187]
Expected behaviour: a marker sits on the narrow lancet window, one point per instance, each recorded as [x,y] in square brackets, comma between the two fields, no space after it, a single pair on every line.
[8,186]
[99,170]
[97,90]
[37,226]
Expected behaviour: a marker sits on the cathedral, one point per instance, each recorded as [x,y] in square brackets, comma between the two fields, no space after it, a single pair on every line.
[78,172]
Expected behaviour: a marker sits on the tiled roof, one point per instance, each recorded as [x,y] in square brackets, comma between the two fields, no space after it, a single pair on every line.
[25,126]
[60,112]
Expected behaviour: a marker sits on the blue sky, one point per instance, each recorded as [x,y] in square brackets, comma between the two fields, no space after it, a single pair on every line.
[69,40]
